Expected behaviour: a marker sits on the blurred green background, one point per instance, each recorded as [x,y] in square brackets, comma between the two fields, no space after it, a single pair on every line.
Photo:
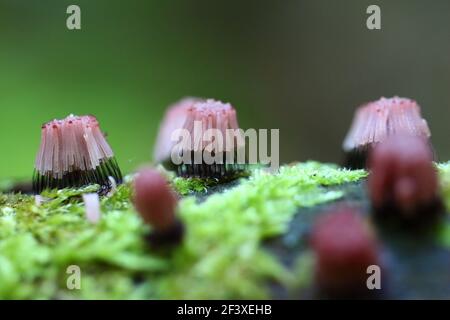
[300,66]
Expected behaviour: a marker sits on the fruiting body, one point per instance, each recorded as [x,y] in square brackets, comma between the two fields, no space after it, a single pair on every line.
[377,120]
[403,181]
[92,207]
[156,202]
[74,153]
[154,199]
[201,138]
[174,119]
[344,248]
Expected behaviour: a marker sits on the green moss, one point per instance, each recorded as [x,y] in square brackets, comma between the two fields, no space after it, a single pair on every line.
[221,256]
[192,185]
[444,172]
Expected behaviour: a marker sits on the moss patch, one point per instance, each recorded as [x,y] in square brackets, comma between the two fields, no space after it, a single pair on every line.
[444,172]
[221,257]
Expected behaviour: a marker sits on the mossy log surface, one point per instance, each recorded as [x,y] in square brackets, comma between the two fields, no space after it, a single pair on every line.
[245,239]
[415,262]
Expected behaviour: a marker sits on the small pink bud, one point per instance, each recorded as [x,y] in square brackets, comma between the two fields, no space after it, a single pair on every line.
[403,179]
[92,207]
[344,248]
[154,199]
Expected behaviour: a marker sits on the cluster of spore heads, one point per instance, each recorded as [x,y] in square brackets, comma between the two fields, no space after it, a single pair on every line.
[195,116]
[74,153]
